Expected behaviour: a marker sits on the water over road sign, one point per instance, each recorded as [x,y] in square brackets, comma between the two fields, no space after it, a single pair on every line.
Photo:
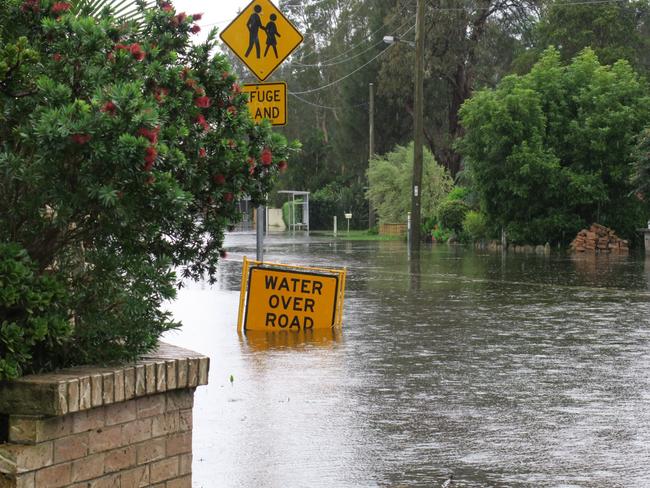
[267,101]
[277,297]
[261,37]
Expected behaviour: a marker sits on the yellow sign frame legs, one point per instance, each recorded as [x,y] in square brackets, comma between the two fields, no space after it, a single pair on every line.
[248,264]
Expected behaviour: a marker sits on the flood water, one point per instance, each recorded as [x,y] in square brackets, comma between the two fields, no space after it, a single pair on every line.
[507,371]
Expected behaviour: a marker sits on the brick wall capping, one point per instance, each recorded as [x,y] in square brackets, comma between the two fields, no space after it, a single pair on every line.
[82,388]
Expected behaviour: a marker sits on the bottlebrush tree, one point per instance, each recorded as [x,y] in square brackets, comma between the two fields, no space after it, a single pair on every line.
[124,149]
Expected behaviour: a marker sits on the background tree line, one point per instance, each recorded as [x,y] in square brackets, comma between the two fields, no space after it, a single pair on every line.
[470,45]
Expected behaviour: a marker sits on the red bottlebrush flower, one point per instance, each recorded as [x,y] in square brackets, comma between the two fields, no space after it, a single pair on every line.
[232,110]
[180,18]
[251,160]
[60,7]
[251,170]
[236,88]
[195,29]
[160,94]
[151,179]
[225,75]
[151,134]
[223,254]
[202,152]
[185,71]
[219,179]
[110,56]
[232,144]
[30,5]
[119,46]
[191,82]
[283,165]
[199,91]
[202,102]
[80,139]
[167,7]
[196,17]
[57,57]
[200,119]
[228,196]
[266,157]
[136,51]
[109,108]
[150,154]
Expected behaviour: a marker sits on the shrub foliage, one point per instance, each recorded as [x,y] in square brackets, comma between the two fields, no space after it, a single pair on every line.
[550,152]
[390,178]
[123,151]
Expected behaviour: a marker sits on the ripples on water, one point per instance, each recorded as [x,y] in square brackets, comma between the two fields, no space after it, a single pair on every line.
[516,371]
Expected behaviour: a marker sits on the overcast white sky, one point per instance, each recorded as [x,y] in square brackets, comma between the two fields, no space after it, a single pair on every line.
[219,12]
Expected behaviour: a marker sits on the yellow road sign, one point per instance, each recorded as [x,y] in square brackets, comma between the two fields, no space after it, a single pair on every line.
[281,297]
[261,37]
[267,101]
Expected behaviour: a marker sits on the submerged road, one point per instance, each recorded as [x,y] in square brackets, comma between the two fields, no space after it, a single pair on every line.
[515,371]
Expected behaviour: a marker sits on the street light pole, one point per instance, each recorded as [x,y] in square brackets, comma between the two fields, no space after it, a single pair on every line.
[418,129]
[371,150]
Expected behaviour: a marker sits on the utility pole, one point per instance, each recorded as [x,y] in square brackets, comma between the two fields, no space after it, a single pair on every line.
[418,128]
[371,151]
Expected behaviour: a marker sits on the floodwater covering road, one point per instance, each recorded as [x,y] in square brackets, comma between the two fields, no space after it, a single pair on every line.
[507,371]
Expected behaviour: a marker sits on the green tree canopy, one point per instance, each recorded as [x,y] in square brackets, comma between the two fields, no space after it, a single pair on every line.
[390,177]
[550,151]
[123,152]
[614,30]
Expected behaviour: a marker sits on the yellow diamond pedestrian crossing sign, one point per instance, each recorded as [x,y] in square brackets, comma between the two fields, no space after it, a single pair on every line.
[261,37]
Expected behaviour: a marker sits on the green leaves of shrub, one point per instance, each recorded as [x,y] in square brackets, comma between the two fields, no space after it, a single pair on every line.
[32,311]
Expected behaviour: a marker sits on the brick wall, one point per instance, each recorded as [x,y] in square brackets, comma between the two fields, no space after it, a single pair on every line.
[128,440]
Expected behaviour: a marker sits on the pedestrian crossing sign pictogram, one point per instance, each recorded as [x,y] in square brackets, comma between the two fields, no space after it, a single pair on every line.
[261,37]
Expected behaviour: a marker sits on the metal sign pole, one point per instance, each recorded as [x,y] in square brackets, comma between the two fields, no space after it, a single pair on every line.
[261,211]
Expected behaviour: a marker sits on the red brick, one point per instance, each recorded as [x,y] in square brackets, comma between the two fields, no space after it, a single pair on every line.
[24,481]
[180,400]
[165,424]
[88,468]
[32,429]
[135,478]
[88,420]
[163,470]
[112,481]
[54,476]
[179,443]
[185,464]
[105,439]
[137,431]
[150,406]
[119,459]
[73,447]
[185,420]
[184,482]
[151,451]
[16,458]
[121,413]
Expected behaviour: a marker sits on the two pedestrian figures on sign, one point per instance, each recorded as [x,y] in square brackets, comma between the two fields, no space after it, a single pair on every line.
[254,25]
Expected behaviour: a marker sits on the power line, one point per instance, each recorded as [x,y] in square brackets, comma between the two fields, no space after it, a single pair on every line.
[364,104]
[334,63]
[352,48]
[349,74]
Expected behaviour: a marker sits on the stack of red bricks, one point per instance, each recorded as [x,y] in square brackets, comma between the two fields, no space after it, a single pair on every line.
[599,238]
[103,428]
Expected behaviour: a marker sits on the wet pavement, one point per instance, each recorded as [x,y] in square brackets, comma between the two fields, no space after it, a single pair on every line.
[508,371]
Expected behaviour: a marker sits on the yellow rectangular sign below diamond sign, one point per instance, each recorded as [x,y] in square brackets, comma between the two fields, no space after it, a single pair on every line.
[267,101]
[261,37]
[278,297]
